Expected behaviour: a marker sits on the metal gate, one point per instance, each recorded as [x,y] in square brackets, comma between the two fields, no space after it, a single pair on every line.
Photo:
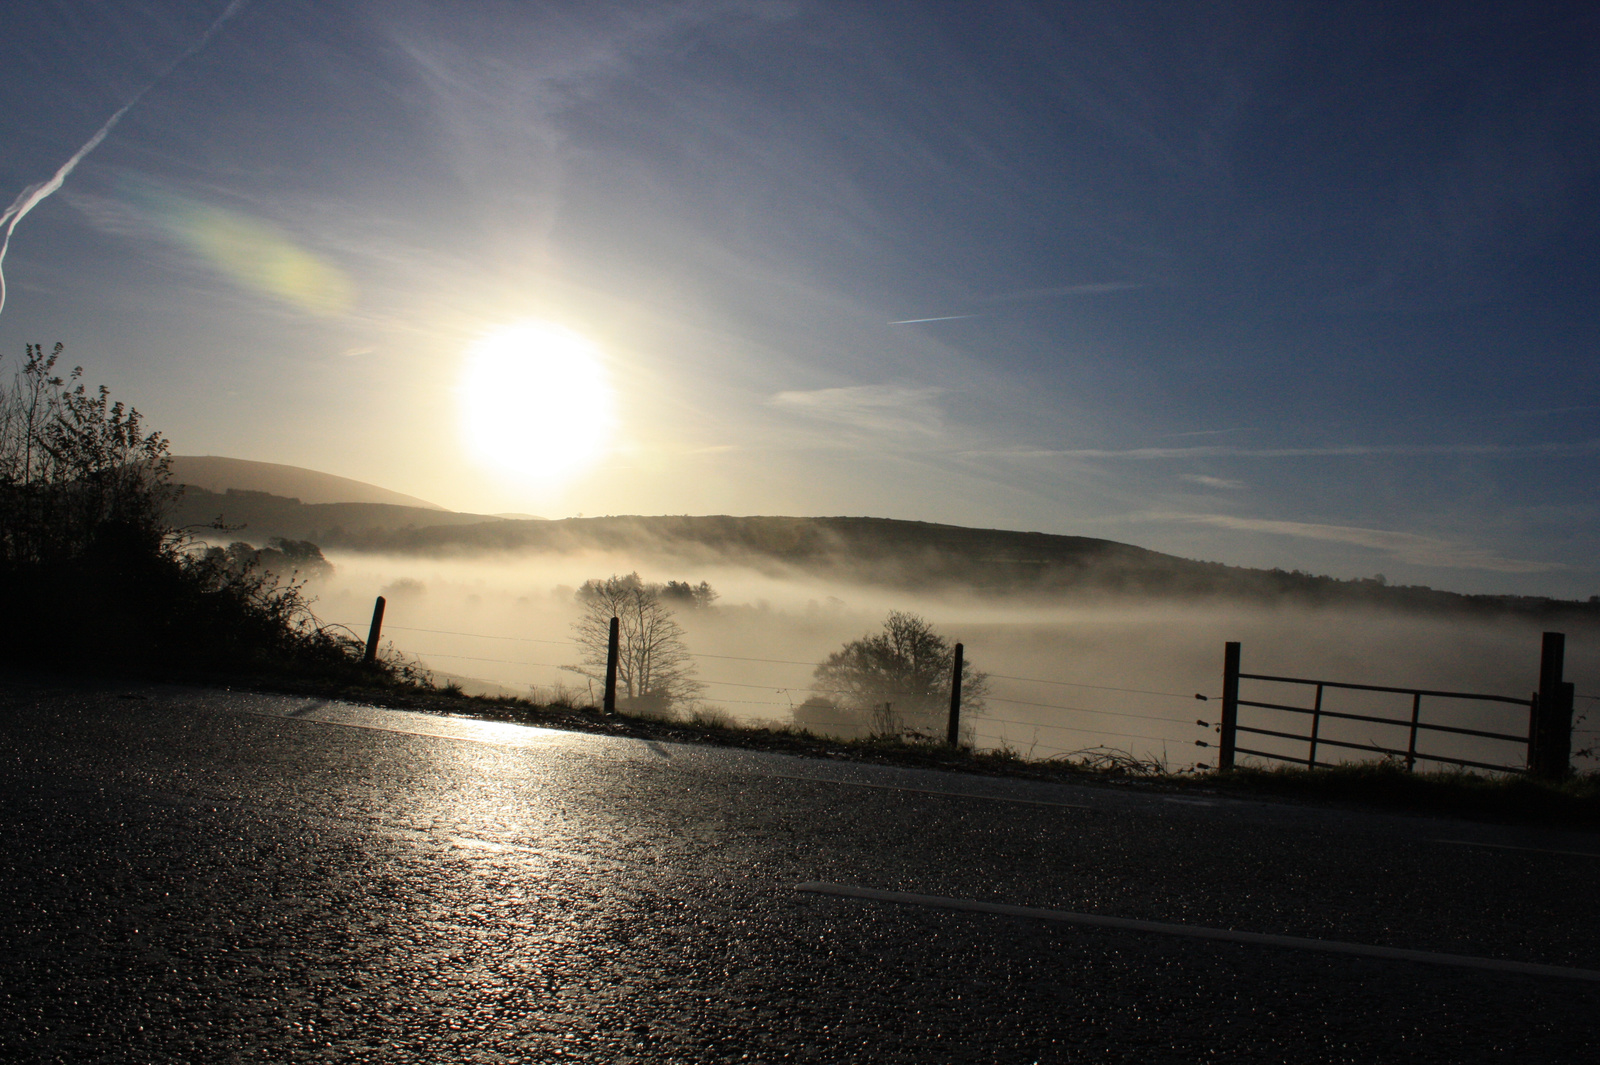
[1547,740]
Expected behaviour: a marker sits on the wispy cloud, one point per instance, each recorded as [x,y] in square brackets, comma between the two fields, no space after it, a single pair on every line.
[1027,295]
[1214,432]
[1402,547]
[1585,409]
[874,408]
[1211,482]
[1053,291]
[1582,447]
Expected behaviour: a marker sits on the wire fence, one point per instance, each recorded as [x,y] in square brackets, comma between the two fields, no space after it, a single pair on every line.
[1060,729]
[1031,727]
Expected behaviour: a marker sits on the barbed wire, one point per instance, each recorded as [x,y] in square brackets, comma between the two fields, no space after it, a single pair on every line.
[1070,728]
[1096,687]
[985,719]
[1079,709]
[451,632]
[470,658]
[808,691]
[483,636]
[737,658]
[769,661]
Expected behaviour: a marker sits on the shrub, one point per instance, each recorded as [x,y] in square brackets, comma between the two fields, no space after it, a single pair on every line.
[900,679]
[92,576]
[711,717]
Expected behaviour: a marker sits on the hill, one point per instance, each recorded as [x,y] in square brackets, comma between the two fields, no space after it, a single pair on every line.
[876,551]
[216,474]
[259,516]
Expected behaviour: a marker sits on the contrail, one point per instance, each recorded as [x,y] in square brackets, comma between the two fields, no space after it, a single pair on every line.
[33,195]
[1094,289]
[946,318]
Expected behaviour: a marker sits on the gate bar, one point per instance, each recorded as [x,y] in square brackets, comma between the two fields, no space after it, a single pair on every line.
[1395,721]
[1384,688]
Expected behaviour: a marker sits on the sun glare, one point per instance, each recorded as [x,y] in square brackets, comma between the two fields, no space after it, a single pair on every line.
[536,402]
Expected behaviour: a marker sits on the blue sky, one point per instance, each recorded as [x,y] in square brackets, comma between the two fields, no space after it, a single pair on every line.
[1277,284]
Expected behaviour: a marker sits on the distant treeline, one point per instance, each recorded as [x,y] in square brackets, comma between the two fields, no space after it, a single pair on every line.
[878,551]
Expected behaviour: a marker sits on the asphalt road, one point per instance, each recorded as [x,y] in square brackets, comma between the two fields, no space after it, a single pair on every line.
[197,876]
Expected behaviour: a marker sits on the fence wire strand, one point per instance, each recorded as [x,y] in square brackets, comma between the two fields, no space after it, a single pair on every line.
[777,661]
[1096,687]
[978,719]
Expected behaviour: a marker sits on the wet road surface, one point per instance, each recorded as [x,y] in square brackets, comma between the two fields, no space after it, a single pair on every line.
[194,875]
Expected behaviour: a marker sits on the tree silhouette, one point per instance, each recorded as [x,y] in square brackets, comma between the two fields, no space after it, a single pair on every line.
[91,568]
[901,676]
[74,465]
[654,671]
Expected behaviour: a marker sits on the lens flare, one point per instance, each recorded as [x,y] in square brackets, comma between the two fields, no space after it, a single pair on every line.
[536,402]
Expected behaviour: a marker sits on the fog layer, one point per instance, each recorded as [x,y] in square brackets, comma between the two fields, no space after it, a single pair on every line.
[1064,678]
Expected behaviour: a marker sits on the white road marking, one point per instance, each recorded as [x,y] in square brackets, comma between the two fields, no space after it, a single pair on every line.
[1513,847]
[1123,924]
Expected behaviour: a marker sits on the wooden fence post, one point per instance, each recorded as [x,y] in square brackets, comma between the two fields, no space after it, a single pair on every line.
[1230,704]
[955,699]
[371,655]
[1316,728]
[611,668]
[1561,737]
[1416,716]
[1551,752]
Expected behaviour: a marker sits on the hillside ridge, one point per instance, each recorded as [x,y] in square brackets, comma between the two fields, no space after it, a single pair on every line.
[218,473]
[886,552]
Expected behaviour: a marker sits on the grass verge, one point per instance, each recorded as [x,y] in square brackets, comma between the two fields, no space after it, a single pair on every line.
[1572,803]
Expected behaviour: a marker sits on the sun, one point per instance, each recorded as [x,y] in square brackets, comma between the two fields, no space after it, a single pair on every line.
[536,402]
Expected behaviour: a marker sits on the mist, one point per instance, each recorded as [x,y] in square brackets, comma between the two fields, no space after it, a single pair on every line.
[1065,677]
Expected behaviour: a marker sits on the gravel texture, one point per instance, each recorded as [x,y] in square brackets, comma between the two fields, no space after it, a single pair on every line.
[195,876]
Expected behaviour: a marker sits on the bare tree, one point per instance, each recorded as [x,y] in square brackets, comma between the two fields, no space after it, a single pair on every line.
[654,670]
